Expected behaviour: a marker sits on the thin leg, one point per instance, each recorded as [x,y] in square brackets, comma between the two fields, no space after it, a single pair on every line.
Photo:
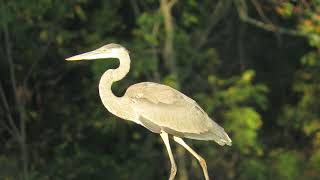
[165,139]
[196,155]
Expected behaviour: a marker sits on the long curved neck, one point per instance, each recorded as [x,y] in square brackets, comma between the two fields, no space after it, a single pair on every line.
[116,105]
[122,70]
[114,75]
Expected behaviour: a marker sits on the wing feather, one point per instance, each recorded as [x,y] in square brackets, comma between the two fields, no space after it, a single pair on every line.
[161,107]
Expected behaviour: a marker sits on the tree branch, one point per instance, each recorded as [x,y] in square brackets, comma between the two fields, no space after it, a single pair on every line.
[272,28]
[155,32]
[135,8]
[19,104]
[241,47]
[243,15]
[7,128]
[10,62]
[10,131]
[14,129]
[260,11]
[171,3]
[168,51]
[218,13]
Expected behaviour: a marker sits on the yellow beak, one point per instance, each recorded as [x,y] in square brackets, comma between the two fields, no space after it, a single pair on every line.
[96,54]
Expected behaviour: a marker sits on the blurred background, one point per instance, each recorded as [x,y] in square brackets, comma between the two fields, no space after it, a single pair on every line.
[253,65]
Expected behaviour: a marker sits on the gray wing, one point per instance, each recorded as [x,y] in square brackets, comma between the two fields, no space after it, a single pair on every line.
[161,107]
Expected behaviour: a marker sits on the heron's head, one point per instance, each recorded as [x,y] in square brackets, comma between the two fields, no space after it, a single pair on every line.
[108,51]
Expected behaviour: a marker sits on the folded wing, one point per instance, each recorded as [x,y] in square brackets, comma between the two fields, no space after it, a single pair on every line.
[161,107]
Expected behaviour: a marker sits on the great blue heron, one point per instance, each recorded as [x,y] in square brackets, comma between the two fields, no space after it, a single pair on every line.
[157,107]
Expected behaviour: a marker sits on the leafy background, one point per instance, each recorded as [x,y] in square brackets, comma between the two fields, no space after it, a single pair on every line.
[253,65]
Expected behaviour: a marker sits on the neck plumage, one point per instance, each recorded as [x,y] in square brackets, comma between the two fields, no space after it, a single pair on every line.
[119,106]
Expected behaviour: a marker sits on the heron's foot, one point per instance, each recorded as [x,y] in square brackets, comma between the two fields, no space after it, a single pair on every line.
[173,172]
[204,168]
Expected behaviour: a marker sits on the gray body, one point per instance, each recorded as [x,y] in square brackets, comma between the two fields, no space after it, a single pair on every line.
[157,107]
[162,108]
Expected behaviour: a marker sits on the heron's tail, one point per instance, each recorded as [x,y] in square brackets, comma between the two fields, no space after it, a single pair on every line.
[224,140]
[216,133]
[219,135]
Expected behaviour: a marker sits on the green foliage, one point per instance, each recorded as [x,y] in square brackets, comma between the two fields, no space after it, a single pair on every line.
[263,89]
[8,168]
[244,124]
[233,98]
[287,165]
[254,170]
[314,163]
